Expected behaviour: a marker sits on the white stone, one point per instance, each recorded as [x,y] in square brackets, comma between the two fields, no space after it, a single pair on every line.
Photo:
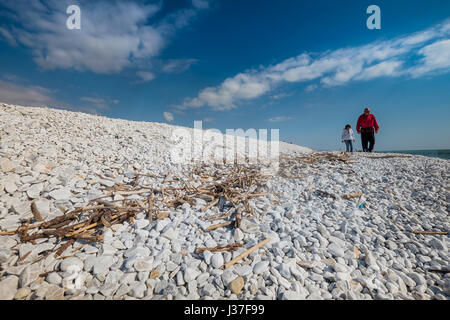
[71,264]
[170,234]
[35,190]
[8,287]
[141,223]
[217,260]
[190,274]
[261,267]
[60,194]
[336,250]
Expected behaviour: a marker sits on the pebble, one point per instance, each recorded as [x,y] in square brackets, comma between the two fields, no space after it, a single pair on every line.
[261,267]
[237,285]
[217,260]
[141,223]
[53,278]
[61,194]
[284,270]
[160,286]
[336,250]
[238,235]
[28,275]
[35,190]
[10,187]
[207,255]
[102,264]
[71,264]
[7,165]
[418,278]
[244,270]
[4,255]
[170,234]
[143,265]
[8,287]
[22,293]
[190,274]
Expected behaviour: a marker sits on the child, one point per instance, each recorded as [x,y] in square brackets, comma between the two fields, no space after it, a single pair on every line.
[348,137]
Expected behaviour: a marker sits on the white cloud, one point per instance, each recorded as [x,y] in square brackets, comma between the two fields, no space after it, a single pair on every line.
[282,95]
[145,76]
[26,95]
[99,103]
[201,4]
[113,36]
[177,65]
[279,119]
[168,116]
[8,37]
[436,57]
[36,96]
[241,87]
[311,87]
[333,68]
[385,68]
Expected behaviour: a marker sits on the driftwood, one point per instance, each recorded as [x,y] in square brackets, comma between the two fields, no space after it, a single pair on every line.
[238,219]
[230,247]
[220,225]
[36,213]
[430,232]
[236,184]
[352,195]
[246,253]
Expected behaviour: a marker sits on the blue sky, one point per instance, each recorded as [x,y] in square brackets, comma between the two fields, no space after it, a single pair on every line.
[304,67]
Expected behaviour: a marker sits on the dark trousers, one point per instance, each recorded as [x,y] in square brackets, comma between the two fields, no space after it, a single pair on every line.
[367,138]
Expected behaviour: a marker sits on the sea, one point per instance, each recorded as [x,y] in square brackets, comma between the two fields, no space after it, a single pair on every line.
[441,153]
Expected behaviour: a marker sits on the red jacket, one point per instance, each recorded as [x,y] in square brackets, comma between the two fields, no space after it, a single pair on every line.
[367,122]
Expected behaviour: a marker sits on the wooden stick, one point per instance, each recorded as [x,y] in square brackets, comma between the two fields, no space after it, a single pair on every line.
[220,225]
[8,233]
[25,256]
[430,232]
[64,247]
[211,204]
[230,247]
[150,208]
[352,195]
[83,229]
[246,253]
[238,219]
[36,213]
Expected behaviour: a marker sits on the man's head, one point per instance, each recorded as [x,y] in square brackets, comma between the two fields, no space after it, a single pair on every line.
[366,111]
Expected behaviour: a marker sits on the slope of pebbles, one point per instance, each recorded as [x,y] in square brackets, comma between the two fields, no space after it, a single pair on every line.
[322,245]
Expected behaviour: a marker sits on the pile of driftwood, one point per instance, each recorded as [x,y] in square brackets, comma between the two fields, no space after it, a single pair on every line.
[215,184]
[292,166]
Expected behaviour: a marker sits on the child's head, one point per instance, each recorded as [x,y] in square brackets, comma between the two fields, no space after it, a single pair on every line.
[348,127]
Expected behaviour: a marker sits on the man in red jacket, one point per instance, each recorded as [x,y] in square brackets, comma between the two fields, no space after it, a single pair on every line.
[367,126]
